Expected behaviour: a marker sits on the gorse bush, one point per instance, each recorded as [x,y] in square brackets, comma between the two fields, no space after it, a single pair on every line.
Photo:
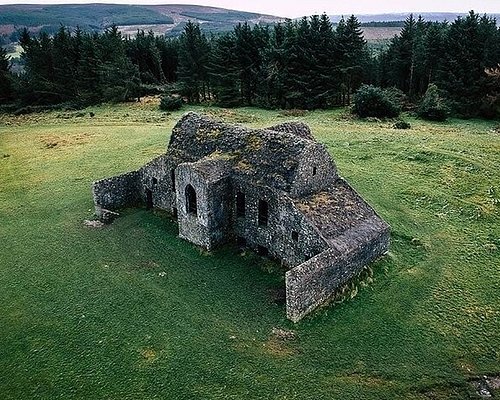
[433,107]
[171,103]
[372,101]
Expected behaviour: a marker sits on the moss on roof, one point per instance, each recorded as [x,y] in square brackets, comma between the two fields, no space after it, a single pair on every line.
[267,156]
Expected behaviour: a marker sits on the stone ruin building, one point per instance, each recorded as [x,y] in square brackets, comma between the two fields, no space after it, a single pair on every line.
[274,190]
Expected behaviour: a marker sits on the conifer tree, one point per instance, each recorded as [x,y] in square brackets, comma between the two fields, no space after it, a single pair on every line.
[472,46]
[271,88]
[6,79]
[224,73]
[118,76]
[169,56]
[193,61]
[143,52]
[352,55]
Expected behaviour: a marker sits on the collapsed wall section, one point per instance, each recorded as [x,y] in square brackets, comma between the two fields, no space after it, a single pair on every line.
[116,192]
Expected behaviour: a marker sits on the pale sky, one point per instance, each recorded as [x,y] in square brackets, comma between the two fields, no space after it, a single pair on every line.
[292,9]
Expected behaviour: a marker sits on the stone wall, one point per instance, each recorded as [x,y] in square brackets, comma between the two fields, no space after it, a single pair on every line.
[116,192]
[221,211]
[153,178]
[288,235]
[316,171]
[315,281]
[210,224]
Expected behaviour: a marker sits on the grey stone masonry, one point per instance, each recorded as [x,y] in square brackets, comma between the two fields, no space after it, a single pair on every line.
[274,190]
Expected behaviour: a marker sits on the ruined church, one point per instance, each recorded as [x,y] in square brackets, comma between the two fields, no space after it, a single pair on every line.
[275,191]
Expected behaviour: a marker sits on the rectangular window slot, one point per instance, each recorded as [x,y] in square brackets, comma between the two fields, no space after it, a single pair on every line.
[262,251]
[172,176]
[263,213]
[295,236]
[240,204]
[314,171]
[155,181]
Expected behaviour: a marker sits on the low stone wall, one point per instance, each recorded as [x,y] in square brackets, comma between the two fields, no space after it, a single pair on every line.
[116,192]
[155,176]
[316,280]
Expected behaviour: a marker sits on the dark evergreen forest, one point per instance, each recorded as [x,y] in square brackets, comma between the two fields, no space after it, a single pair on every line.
[304,64]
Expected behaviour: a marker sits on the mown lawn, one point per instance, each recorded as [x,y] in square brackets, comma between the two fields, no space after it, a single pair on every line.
[132,312]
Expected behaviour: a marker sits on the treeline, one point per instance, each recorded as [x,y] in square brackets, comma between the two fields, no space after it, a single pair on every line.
[455,57]
[87,68]
[304,64]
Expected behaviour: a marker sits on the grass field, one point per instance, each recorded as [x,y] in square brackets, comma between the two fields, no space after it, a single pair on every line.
[132,312]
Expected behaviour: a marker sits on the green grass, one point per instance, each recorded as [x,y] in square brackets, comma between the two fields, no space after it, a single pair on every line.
[131,311]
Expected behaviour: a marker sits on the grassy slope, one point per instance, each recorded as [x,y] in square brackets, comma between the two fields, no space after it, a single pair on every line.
[83,15]
[87,313]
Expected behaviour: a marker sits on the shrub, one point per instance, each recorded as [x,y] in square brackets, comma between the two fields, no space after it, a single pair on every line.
[372,101]
[170,103]
[397,96]
[401,125]
[433,107]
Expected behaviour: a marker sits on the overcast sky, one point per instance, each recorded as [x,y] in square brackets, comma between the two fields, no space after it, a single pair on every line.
[292,8]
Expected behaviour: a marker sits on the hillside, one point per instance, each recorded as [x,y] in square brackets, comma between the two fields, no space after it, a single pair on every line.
[130,311]
[160,18]
[396,18]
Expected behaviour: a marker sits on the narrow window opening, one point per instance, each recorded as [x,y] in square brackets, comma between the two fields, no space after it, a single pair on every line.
[314,170]
[240,204]
[149,199]
[263,213]
[155,181]
[262,251]
[241,241]
[172,176]
[191,206]
[295,236]
[174,212]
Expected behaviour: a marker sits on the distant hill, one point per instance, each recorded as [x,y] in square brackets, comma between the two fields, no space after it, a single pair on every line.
[396,18]
[130,18]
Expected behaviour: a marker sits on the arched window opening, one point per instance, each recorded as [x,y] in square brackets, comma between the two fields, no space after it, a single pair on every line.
[191,205]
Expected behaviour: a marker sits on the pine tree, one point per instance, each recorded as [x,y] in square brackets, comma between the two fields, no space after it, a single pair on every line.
[352,55]
[6,79]
[144,53]
[118,76]
[271,87]
[89,89]
[65,64]
[37,83]
[297,61]
[471,46]
[434,47]
[169,57]
[193,60]
[224,72]
[248,59]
